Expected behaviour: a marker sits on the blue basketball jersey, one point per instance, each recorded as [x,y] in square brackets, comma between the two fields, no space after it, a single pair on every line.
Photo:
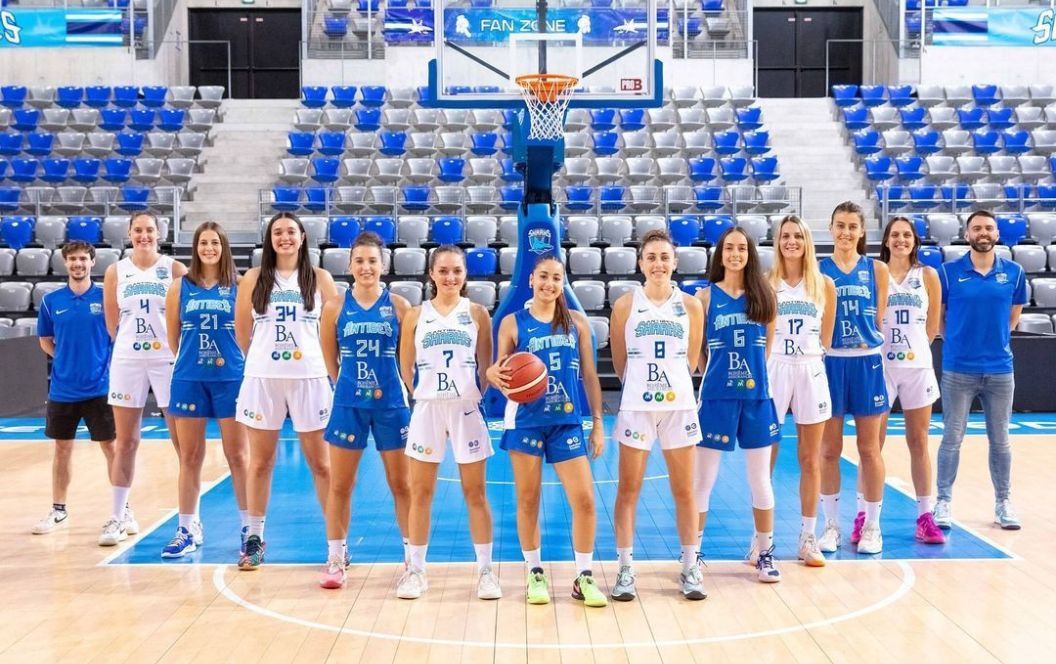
[370,373]
[208,350]
[855,305]
[560,353]
[736,351]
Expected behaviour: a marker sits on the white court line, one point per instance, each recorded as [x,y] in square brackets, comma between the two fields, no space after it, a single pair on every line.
[908,579]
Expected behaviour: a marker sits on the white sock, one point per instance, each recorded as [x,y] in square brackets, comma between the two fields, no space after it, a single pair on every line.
[700,540]
[872,511]
[187,519]
[483,552]
[860,503]
[584,560]
[243,517]
[335,549]
[810,524]
[689,556]
[120,495]
[625,554]
[925,504]
[533,558]
[763,541]
[406,550]
[256,526]
[830,506]
[417,556]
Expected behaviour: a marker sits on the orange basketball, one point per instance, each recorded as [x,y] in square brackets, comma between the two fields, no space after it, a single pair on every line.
[528,381]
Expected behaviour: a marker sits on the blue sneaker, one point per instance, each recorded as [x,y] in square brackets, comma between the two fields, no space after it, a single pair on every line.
[180,545]
[242,546]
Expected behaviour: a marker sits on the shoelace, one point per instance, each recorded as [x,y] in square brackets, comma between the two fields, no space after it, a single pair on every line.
[624,578]
[766,559]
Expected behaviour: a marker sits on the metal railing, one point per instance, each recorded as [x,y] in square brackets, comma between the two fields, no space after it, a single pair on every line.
[1015,199]
[165,200]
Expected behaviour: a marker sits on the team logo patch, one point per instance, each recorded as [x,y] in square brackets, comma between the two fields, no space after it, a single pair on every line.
[162,272]
[464,319]
[678,309]
[224,291]
[95,308]
[386,311]
[540,240]
[914,282]
[863,275]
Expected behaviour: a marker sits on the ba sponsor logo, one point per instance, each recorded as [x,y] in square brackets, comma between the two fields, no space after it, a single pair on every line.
[115,395]
[725,439]
[636,436]
[474,445]
[879,399]
[648,396]
[135,346]
[403,434]
[219,362]
[276,355]
[350,437]
[709,435]
[773,428]
[323,412]
[659,396]
[890,356]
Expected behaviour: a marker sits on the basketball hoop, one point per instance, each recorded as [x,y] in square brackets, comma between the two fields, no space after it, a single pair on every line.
[547,97]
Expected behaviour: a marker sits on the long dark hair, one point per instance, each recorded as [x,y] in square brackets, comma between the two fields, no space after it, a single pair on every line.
[885,253]
[850,207]
[266,279]
[443,249]
[562,316]
[761,301]
[226,271]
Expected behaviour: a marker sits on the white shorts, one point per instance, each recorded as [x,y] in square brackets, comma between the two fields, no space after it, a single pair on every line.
[131,381]
[434,422]
[264,402]
[802,387]
[674,428]
[915,387]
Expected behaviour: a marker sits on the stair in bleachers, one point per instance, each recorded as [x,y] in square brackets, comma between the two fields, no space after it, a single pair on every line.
[814,156]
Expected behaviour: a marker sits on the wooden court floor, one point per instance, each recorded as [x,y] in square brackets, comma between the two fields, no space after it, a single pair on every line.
[61,605]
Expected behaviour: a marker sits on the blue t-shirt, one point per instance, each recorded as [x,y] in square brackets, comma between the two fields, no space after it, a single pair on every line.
[369,376]
[736,351]
[208,349]
[855,327]
[978,308]
[81,368]
[559,351]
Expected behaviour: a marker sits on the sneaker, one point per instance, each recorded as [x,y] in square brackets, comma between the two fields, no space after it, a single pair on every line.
[624,590]
[197,531]
[585,588]
[809,552]
[871,541]
[242,542]
[113,532]
[830,538]
[1005,516]
[412,584]
[768,573]
[54,520]
[928,531]
[129,522]
[488,585]
[753,553]
[693,584]
[333,574]
[859,522]
[943,517]
[253,556]
[538,587]
[180,545]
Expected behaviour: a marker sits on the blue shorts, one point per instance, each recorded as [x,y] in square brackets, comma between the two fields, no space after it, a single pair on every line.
[348,427]
[555,443]
[857,385]
[751,422]
[204,398]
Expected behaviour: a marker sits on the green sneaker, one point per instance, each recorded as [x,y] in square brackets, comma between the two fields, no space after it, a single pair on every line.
[538,587]
[586,589]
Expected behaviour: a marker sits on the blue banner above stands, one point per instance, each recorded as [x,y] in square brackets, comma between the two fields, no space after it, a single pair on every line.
[408,26]
[973,26]
[51,28]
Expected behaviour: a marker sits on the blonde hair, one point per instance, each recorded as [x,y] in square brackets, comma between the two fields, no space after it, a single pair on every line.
[813,279]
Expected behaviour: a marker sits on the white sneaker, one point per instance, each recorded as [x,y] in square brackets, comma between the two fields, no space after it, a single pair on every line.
[809,552]
[941,513]
[197,531]
[872,541]
[488,585]
[753,553]
[412,584]
[129,523]
[113,533]
[765,568]
[54,520]
[830,538]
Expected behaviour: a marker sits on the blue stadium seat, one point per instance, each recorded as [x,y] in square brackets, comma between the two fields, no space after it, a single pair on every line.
[369,5]
[1046,196]
[335,26]
[685,230]
[896,196]
[85,229]
[344,231]
[317,198]
[690,27]
[855,117]
[451,169]
[133,198]
[56,171]
[926,141]
[605,143]
[602,119]
[299,143]
[764,169]
[985,94]
[611,197]
[845,95]
[385,227]
[343,96]
[13,96]
[985,141]
[313,96]
[920,222]
[579,197]
[5,166]
[702,169]
[129,143]
[393,143]
[866,142]
[1000,118]
[727,142]
[878,168]
[25,119]
[16,232]
[415,197]
[125,96]
[9,198]
[632,119]
[900,95]
[872,95]
[913,118]
[510,172]
[1015,141]
[511,195]
[372,95]
[923,197]
[481,262]
[325,169]
[171,119]
[24,170]
[1012,228]
[331,143]
[712,5]
[708,198]
[69,96]
[749,118]
[507,144]
[484,143]
[97,96]
[714,226]
[368,119]
[910,168]
[142,119]
[286,199]
[10,144]
[117,170]
[113,119]
[734,169]
[154,95]
[930,255]
[447,230]
[757,142]
[955,195]
[39,143]
[509,118]
[971,118]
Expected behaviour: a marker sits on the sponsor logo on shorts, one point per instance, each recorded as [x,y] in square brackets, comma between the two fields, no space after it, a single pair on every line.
[691,427]
[879,399]
[773,428]
[725,439]
[573,443]
[276,355]
[251,415]
[891,356]
[626,433]
[219,362]
[323,412]
[532,442]
[422,449]
[286,354]
[403,434]
[474,446]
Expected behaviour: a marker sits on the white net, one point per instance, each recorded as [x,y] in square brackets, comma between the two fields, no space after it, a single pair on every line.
[547,97]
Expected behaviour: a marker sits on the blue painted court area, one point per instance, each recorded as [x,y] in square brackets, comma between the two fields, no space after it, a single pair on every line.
[295,530]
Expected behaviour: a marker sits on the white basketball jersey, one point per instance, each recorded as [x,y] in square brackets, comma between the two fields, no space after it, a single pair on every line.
[446,354]
[905,322]
[657,375]
[141,327]
[797,333]
[285,342]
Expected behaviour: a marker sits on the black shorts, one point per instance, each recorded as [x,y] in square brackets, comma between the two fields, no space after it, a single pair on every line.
[63,418]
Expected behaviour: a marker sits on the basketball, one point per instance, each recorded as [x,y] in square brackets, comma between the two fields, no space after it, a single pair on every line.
[528,381]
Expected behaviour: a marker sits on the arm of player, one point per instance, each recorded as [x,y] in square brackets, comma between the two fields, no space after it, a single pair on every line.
[46,329]
[591,384]
[617,342]
[497,374]
[1019,298]
[828,317]
[484,344]
[407,353]
[704,296]
[172,315]
[770,327]
[934,289]
[244,310]
[111,312]
[178,271]
[883,277]
[326,285]
[328,338]
[695,310]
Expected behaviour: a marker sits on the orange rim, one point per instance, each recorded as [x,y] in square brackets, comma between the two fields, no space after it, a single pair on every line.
[546,87]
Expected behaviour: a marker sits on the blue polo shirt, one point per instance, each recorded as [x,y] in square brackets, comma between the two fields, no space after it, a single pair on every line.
[81,367]
[978,308]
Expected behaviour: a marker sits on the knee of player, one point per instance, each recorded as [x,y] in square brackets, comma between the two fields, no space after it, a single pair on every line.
[528,500]
[476,496]
[582,503]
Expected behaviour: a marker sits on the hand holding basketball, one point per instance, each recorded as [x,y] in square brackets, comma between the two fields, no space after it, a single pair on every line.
[498,374]
[527,377]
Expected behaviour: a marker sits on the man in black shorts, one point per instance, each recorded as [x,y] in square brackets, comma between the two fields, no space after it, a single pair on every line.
[73,331]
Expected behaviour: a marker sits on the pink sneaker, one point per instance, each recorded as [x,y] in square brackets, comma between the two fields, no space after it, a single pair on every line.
[333,575]
[928,531]
[859,521]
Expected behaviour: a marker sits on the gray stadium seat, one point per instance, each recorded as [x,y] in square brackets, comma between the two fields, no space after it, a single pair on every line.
[616,229]
[944,228]
[487,119]
[454,144]
[409,261]
[582,229]
[507,260]
[481,229]
[971,168]
[40,290]
[293,170]
[32,262]
[1041,94]
[1044,140]
[773,198]
[742,95]
[672,169]
[389,170]
[577,119]
[600,327]
[14,332]
[988,195]
[683,96]
[678,197]
[316,230]
[15,296]
[1029,117]
[647,222]
[357,169]
[58,265]
[591,294]
[637,143]
[104,258]
[1031,256]
[409,290]
[608,169]
[766,258]
[481,198]
[958,95]
[6,322]
[756,225]
[578,169]
[693,119]
[953,252]
[160,143]
[942,118]
[256,257]
[308,119]
[884,117]
[483,293]
[1002,167]
[69,143]
[620,260]
[456,119]
[412,230]
[714,95]
[361,144]
[7,262]
[1036,323]
[179,170]
[640,170]
[1044,289]
[426,119]
[181,96]
[508,230]
[692,261]
[667,143]
[1042,228]
[190,143]
[483,170]
[644,198]
[54,119]
[350,199]
[396,119]
[584,261]
[1014,95]
[1033,168]
[211,96]
[50,231]
[402,97]
[661,119]
[618,287]
[83,119]
[423,144]
[335,261]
